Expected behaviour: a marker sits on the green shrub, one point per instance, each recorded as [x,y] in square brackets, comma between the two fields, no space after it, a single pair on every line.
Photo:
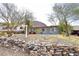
[65,29]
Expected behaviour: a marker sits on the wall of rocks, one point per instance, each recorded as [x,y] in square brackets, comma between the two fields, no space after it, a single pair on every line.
[39,49]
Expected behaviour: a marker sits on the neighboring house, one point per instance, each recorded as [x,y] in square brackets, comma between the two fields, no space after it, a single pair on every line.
[75,30]
[20,28]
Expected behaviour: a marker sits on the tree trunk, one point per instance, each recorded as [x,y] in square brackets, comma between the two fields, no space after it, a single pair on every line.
[67,31]
[9,30]
[26,31]
[66,23]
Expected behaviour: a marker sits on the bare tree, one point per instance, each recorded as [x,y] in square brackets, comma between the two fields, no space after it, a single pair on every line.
[64,13]
[13,17]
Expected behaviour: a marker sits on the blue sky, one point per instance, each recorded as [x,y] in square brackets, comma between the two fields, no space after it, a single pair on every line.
[40,8]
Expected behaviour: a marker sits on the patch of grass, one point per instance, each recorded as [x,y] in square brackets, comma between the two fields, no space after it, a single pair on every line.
[3,33]
[71,39]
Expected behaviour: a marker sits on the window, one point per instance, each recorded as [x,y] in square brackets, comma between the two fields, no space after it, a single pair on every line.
[52,29]
[55,29]
[21,27]
[43,29]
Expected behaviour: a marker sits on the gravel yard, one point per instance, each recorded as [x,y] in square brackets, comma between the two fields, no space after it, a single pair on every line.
[38,45]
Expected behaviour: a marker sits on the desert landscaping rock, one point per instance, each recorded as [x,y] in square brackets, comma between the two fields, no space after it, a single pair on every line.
[36,48]
[16,46]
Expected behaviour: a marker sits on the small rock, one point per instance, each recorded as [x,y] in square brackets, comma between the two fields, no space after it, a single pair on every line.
[26,49]
[36,48]
[31,46]
[71,54]
[52,52]
[57,54]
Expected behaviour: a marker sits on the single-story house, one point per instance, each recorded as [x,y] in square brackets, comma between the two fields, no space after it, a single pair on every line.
[41,28]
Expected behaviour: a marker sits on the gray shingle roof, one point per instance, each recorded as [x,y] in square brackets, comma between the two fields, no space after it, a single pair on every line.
[38,24]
